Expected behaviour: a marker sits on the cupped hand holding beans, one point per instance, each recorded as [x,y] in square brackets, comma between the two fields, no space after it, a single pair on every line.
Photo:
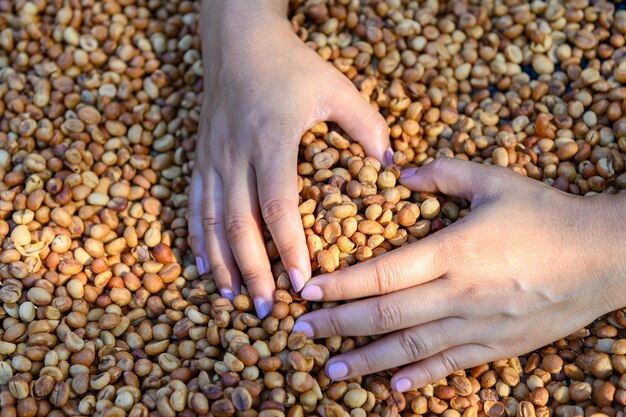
[263,88]
[527,266]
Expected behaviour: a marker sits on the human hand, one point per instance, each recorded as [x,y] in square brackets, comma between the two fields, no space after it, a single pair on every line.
[527,266]
[263,88]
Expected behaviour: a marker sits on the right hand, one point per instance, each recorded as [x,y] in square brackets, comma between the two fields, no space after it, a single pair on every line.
[263,88]
[521,270]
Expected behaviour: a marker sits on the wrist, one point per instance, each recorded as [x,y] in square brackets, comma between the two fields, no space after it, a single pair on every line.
[231,29]
[605,242]
[245,6]
[239,16]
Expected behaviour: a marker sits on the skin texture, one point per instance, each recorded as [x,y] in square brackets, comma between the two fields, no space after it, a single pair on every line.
[527,259]
[263,88]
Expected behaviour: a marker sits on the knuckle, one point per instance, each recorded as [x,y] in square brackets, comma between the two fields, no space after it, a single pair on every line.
[446,245]
[236,226]
[210,223]
[335,324]
[341,288]
[255,277]
[275,210]
[265,125]
[385,316]
[202,148]
[285,247]
[449,363]
[370,363]
[209,148]
[219,268]
[221,272]
[442,258]
[384,280]
[192,209]
[440,164]
[412,346]
[430,375]
[471,294]
[195,240]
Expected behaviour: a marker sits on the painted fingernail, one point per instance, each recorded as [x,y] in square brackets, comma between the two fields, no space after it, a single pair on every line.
[201,266]
[227,294]
[297,280]
[304,327]
[337,370]
[312,292]
[402,385]
[409,172]
[389,156]
[262,307]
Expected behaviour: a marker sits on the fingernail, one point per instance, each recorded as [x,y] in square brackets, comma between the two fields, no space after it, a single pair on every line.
[337,370]
[389,156]
[402,385]
[409,172]
[304,327]
[227,294]
[262,307]
[312,292]
[200,264]
[297,280]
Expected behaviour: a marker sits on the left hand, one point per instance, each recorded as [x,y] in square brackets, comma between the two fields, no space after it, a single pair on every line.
[528,265]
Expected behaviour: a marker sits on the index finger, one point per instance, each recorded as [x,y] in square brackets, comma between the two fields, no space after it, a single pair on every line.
[384,314]
[402,268]
[278,197]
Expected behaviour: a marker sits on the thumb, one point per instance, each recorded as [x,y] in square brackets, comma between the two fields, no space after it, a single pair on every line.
[452,176]
[361,121]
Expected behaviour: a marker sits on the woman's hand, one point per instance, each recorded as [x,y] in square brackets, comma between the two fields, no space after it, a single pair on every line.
[527,266]
[263,88]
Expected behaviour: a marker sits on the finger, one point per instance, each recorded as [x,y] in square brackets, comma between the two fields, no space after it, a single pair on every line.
[220,256]
[196,235]
[243,230]
[451,176]
[406,267]
[361,121]
[384,314]
[278,191]
[399,348]
[441,365]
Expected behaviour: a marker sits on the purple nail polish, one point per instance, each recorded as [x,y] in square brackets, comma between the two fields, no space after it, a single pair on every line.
[304,327]
[297,280]
[262,307]
[226,293]
[409,172]
[337,370]
[201,266]
[389,156]
[312,293]
[402,385]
